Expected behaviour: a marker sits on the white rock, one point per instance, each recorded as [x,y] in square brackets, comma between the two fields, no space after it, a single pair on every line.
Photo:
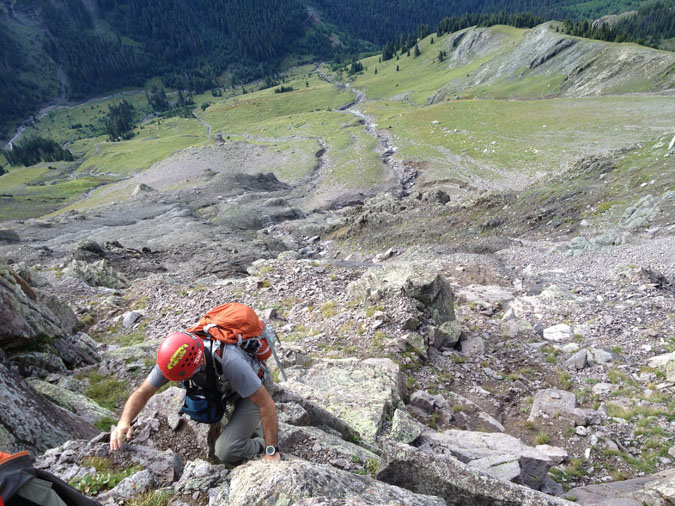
[581,430]
[571,348]
[602,388]
[555,453]
[557,333]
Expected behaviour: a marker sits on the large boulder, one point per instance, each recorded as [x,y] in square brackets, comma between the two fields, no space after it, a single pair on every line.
[665,363]
[413,280]
[28,421]
[458,483]
[363,393]
[655,490]
[551,402]
[503,456]
[288,482]
[23,319]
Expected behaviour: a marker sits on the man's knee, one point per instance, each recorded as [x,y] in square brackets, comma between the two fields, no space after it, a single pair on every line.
[228,451]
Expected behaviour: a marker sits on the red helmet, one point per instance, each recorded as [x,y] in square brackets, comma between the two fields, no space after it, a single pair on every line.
[180,355]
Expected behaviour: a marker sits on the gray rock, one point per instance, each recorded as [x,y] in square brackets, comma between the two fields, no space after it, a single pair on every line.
[495,453]
[412,280]
[64,314]
[200,476]
[555,453]
[655,490]
[603,388]
[362,393]
[136,484]
[292,414]
[473,346]
[130,318]
[577,361]
[165,465]
[665,363]
[96,274]
[288,482]
[319,416]
[291,435]
[447,335]
[551,402]
[9,236]
[23,319]
[457,483]
[43,425]
[40,364]
[602,356]
[404,428]
[426,402]
[486,295]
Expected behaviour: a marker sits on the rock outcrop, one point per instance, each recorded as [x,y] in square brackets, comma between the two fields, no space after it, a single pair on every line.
[28,421]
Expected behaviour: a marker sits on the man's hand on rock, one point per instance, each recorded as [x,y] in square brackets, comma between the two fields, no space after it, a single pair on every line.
[118,435]
[276,457]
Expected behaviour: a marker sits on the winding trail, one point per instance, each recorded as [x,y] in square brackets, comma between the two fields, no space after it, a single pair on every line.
[386,148]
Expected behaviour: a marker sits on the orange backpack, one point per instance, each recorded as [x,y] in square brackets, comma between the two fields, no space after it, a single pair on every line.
[235,323]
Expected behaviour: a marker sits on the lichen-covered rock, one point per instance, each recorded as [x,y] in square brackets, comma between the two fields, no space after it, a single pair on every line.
[656,490]
[665,363]
[337,448]
[79,404]
[287,482]
[28,421]
[363,393]
[292,413]
[457,483]
[63,312]
[404,428]
[37,363]
[200,476]
[412,280]
[23,319]
[96,274]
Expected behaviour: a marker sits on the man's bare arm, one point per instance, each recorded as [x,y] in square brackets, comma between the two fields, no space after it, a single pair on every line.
[133,406]
[268,417]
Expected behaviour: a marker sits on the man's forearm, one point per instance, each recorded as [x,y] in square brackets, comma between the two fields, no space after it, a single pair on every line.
[134,405]
[268,418]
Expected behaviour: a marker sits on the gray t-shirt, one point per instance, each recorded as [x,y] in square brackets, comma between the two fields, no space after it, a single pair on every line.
[240,370]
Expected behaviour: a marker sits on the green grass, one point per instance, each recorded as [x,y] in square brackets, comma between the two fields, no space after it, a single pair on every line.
[107,391]
[59,123]
[155,142]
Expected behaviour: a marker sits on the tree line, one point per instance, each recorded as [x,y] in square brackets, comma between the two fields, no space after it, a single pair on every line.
[35,149]
[651,24]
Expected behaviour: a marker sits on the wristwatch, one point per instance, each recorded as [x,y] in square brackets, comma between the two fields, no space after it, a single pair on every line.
[271,450]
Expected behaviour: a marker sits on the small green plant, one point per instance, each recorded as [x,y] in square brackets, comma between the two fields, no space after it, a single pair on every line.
[328,309]
[458,359]
[105,477]
[371,466]
[151,498]
[564,380]
[541,438]
[529,425]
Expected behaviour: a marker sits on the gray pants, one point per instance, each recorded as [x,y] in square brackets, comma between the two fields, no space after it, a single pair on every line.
[242,436]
